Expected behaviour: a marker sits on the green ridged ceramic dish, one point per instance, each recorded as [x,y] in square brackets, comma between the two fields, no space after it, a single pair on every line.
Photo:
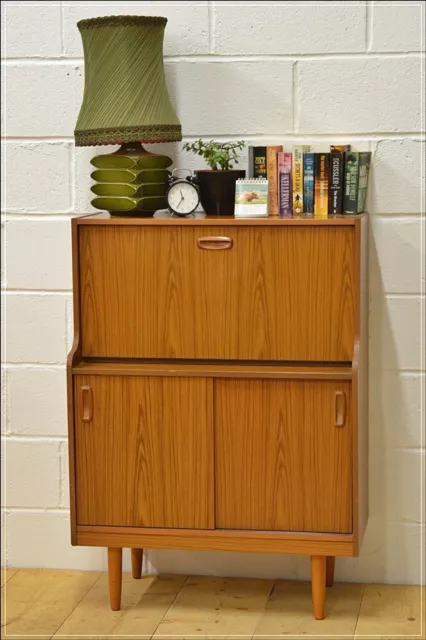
[114,189]
[123,206]
[129,190]
[130,176]
[117,161]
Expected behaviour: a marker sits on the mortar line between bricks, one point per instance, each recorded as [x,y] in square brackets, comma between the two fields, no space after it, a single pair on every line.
[61,17]
[419,136]
[39,217]
[38,292]
[14,437]
[72,184]
[212,25]
[295,87]
[34,510]
[369,10]
[10,366]
[221,57]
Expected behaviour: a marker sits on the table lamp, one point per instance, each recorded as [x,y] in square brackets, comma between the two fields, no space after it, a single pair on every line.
[126,102]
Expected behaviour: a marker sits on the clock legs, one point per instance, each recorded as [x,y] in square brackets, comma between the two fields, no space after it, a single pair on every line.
[137,557]
[318,572]
[115,563]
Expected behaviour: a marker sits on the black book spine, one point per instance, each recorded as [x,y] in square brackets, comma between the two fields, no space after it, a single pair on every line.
[259,157]
[335,202]
[250,162]
[351,182]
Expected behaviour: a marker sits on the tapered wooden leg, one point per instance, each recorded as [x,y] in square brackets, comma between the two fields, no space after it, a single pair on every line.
[318,570]
[137,556]
[115,563]
[329,579]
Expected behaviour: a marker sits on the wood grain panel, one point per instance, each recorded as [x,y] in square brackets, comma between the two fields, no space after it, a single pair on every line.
[146,459]
[202,369]
[278,294]
[217,540]
[200,220]
[360,384]
[280,461]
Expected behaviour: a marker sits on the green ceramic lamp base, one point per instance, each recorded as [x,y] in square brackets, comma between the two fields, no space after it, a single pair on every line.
[131,181]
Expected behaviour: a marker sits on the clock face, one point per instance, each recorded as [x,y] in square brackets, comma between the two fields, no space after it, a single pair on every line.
[182,198]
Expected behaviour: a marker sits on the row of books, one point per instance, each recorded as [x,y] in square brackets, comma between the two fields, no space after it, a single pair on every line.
[306,183]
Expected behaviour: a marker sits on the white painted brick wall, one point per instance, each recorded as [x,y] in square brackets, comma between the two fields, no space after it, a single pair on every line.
[47,248]
[271,73]
[370,94]
[187,31]
[276,28]
[36,401]
[46,187]
[32,473]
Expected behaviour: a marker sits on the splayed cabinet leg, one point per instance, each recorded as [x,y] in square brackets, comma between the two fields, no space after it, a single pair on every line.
[137,557]
[330,563]
[115,565]
[318,571]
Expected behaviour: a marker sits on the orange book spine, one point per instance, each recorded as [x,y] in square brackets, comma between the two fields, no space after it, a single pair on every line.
[272,173]
[322,169]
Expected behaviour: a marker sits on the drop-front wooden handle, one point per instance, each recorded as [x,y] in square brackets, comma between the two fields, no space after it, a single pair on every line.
[215,242]
[340,409]
[86,403]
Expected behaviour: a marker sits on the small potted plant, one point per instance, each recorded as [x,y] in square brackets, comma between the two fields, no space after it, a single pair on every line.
[217,184]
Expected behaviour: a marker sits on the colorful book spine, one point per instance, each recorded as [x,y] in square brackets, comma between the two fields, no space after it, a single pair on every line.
[250,171]
[272,173]
[259,162]
[337,163]
[351,182]
[364,170]
[340,147]
[322,168]
[284,185]
[298,152]
[337,178]
[308,183]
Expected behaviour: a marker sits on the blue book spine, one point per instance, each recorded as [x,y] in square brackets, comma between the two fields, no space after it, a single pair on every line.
[308,182]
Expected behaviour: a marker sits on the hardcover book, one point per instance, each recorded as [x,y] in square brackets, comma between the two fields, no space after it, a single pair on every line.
[322,167]
[272,173]
[259,162]
[250,171]
[364,170]
[337,176]
[284,185]
[357,166]
[298,152]
[340,147]
[308,183]
[251,198]
[337,162]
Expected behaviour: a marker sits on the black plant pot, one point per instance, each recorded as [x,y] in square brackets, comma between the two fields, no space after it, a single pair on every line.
[217,190]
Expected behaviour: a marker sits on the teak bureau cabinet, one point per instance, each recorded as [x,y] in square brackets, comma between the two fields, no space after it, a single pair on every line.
[217,388]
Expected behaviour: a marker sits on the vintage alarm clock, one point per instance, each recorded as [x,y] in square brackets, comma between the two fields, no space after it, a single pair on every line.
[183,195]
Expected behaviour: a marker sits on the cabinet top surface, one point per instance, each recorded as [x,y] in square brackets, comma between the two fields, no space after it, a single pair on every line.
[200,219]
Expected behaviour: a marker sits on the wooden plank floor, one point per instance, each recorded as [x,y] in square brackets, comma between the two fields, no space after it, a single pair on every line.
[65,604]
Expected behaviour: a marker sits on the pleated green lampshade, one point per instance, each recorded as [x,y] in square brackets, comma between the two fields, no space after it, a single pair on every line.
[125,93]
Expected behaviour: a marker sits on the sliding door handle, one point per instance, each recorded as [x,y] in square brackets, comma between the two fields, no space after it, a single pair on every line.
[86,403]
[339,409]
